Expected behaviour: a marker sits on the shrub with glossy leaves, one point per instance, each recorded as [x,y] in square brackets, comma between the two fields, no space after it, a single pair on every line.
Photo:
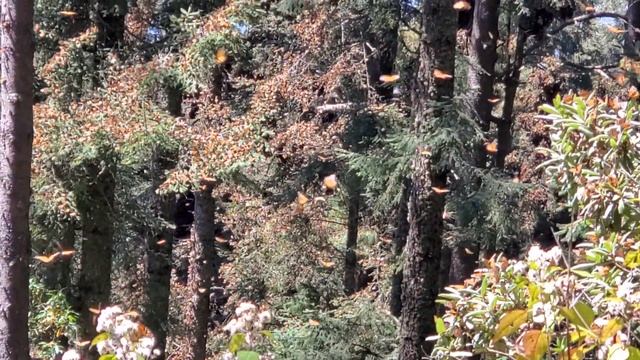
[565,303]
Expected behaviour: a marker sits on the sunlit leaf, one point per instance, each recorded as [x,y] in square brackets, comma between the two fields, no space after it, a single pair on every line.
[610,329]
[100,338]
[440,326]
[236,342]
[509,324]
[533,344]
[581,314]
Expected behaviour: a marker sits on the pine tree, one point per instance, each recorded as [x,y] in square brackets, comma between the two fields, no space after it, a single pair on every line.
[426,202]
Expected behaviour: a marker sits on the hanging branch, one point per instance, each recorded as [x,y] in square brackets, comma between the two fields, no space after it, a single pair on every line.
[575,21]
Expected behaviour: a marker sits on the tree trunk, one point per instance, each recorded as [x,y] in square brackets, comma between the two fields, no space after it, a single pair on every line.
[483,56]
[96,210]
[158,264]
[16,138]
[422,252]
[202,257]
[381,47]
[109,17]
[399,241]
[463,262]
[631,37]
[58,275]
[505,136]
[350,259]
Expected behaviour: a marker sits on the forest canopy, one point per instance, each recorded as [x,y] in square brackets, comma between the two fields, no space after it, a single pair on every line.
[333,179]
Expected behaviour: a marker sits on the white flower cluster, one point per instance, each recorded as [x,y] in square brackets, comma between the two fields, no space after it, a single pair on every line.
[127,338]
[249,322]
[539,260]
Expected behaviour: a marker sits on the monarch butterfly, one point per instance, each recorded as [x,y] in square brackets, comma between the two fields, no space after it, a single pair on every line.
[389,78]
[68,13]
[47,259]
[462,5]
[221,56]
[491,148]
[330,182]
[441,75]
[439,190]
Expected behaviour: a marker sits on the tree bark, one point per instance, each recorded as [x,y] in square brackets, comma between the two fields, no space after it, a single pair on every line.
[58,275]
[158,264]
[512,82]
[631,37]
[109,17]
[201,270]
[96,209]
[16,138]
[399,241]
[483,56]
[462,263]
[350,259]
[422,252]
[381,47]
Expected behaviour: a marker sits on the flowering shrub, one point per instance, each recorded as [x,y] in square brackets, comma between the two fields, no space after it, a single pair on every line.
[247,333]
[571,303]
[121,336]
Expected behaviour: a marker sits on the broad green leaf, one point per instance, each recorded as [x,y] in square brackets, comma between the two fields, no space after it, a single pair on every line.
[440,326]
[247,355]
[534,294]
[632,259]
[484,286]
[509,324]
[236,342]
[634,353]
[534,344]
[610,329]
[108,357]
[581,314]
[100,338]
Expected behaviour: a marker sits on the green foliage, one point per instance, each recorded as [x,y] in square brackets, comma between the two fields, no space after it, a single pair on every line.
[594,163]
[165,88]
[76,76]
[282,264]
[50,318]
[206,62]
[576,302]
[354,329]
